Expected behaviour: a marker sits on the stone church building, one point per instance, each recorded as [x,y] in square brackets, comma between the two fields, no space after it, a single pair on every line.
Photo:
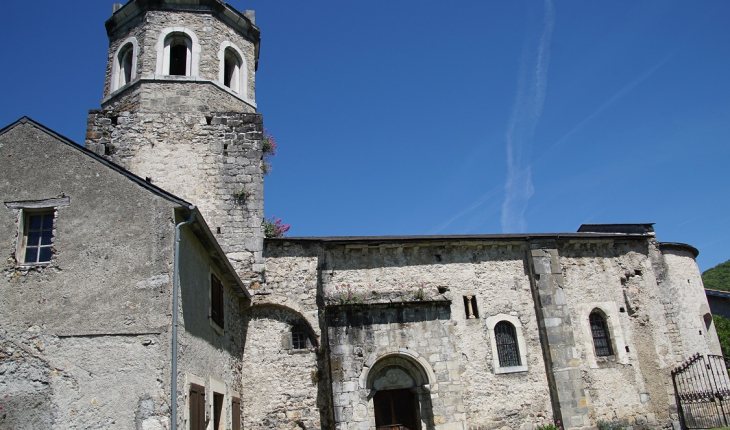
[139,291]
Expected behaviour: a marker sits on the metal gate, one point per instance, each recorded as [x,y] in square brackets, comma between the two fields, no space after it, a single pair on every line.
[702,387]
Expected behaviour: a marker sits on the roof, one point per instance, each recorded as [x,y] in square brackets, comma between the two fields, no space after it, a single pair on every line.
[200,228]
[463,237]
[717,293]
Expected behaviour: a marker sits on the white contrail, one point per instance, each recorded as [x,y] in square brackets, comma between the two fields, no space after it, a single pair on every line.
[613,99]
[526,112]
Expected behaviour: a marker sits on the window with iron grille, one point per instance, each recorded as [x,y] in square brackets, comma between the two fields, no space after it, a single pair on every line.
[506,337]
[601,337]
[216,300]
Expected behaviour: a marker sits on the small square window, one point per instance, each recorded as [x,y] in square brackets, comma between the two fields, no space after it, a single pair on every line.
[298,338]
[37,237]
[216,300]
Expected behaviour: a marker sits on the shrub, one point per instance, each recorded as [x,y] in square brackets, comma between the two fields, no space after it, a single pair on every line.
[274,228]
[550,426]
[608,425]
[268,147]
[346,295]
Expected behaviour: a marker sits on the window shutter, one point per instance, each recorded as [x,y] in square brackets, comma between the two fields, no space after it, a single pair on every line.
[197,407]
[236,413]
[286,340]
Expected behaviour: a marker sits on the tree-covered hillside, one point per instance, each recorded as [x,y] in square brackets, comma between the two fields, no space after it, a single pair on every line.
[717,278]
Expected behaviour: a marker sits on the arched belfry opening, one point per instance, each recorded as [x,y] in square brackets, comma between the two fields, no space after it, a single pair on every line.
[400,394]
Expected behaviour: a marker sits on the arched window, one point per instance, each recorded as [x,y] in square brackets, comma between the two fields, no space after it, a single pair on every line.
[233,72]
[178,49]
[601,336]
[178,52]
[507,349]
[125,64]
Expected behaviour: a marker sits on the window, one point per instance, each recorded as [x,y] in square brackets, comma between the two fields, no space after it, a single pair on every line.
[507,348]
[178,52]
[125,64]
[177,48]
[233,73]
[231,70]
[37,237]
[470,307]
[601,336]
[197,407]
[298,338]
[217,411]
[216,301]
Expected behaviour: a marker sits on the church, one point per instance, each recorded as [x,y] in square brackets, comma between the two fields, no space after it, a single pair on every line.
[140,291]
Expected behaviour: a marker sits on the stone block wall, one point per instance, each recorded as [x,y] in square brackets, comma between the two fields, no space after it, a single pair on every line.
[213,160]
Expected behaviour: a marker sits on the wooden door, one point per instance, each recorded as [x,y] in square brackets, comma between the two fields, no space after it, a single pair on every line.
[396,409]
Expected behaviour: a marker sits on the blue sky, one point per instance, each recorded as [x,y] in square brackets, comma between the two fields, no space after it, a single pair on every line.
[407,117]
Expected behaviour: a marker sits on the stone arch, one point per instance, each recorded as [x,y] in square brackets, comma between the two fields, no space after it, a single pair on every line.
[163,50]
[400,379]
[124,72]
[273,368]
[296,317]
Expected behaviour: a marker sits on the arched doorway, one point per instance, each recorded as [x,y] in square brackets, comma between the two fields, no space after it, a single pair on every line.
[400,393]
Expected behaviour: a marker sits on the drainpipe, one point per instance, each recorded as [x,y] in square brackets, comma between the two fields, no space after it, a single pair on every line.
[175,289]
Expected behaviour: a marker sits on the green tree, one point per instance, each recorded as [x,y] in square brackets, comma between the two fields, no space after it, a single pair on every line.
[722,326]
[718,277]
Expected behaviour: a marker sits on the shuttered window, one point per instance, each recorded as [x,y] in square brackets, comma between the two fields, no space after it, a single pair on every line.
[236,413]
[216,300]
[197,407]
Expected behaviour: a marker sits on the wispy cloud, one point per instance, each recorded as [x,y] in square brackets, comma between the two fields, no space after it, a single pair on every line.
[613,99]
[467,210]
[531,86]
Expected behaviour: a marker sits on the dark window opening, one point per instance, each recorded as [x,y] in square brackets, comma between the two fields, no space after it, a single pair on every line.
[178,57]
[197,407]
[216,300]
[38,236]
[507,350]
[217,410]
[299,338]
[228,71]
[601,337]
[125,63]
[470,307]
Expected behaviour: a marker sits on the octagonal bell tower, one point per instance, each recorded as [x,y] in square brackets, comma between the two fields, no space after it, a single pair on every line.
[179,108]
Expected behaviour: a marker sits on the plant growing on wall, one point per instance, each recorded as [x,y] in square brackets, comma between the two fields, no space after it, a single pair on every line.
[268,148]
[274,228]
[346,295]
[550,426]
[242,194]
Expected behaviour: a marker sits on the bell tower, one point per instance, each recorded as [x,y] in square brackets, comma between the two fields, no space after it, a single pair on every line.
[179,109]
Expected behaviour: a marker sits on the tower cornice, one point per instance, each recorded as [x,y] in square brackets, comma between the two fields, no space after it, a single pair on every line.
[240,22]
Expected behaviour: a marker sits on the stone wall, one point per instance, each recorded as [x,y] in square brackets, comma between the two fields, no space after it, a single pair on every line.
[209,355]
[213,161]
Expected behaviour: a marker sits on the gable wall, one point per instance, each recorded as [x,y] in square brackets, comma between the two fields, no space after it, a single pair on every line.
[96,317]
